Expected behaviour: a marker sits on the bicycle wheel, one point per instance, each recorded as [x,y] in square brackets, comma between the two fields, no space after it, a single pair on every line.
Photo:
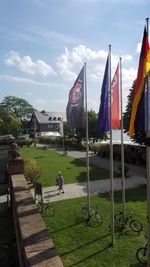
[141,255]
[98,218]
[49,210]
[84,212]
[119,219]
[136,226]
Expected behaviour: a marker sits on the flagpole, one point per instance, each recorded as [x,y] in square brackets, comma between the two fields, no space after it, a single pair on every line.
[122,142]
[148,164]
[87,142]
[111,153]
[63,135]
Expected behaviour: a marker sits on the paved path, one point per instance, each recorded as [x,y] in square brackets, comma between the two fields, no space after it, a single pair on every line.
[99,186]
[80,189]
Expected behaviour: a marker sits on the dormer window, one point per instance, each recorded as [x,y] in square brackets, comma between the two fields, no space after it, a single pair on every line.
[54,118]
[59,119]
[50,118]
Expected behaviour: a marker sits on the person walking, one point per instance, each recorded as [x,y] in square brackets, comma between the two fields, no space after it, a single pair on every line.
[60,183]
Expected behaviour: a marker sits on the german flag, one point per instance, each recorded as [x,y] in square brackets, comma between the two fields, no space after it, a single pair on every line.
[137,119]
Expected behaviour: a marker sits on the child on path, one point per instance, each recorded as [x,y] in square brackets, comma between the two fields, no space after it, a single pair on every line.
[60,182]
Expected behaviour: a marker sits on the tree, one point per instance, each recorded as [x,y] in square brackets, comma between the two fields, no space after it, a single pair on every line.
[77,135]
[18,106]
[92,121]
[140,136]
[127,113]
[9,124]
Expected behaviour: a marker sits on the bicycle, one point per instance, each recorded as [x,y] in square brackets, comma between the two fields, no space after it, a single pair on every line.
[45,208]
[122,221]
[141,254]
[92,213]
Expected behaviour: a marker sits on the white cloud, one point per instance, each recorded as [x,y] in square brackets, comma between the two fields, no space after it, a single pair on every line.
[138,47]
[80,54]
[25,64]
[30,81]
[127,57]
[128,76]
[95,60]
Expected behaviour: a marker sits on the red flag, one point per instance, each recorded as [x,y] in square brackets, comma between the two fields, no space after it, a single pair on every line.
[115,100]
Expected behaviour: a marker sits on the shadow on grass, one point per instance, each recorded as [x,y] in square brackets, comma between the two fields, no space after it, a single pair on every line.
[87,244]
[78,221]
[133,194]
[91,255]
[124,231]
[96,172]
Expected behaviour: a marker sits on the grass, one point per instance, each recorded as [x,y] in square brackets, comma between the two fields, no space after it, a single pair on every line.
[81,245]
[73,170]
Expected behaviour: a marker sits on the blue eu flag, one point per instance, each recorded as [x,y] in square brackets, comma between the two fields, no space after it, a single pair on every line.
[103,115]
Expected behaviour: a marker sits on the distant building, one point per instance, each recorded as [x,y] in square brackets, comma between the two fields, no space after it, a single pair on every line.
[47,123]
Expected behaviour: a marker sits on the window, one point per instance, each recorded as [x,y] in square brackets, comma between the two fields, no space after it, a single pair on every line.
[50,126]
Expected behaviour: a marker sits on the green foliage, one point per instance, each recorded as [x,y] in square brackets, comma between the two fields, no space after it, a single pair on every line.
[101,149]
[92,121]
[31,169]
[24,142]
[18,106]
[77,135]
[132,154]
[140,136]
[127,113]
[49,140]
[9,123]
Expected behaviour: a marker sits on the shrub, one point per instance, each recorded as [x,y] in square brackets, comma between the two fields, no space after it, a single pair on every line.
[24,142]
[31,170]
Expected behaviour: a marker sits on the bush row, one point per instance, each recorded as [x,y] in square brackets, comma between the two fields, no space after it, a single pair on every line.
[59,141]
[132,153]
[24,142]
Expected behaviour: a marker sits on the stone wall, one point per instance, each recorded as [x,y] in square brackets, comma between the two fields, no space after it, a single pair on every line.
[5,146]
[35,247]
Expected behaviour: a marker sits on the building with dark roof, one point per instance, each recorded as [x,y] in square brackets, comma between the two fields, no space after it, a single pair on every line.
[47,123]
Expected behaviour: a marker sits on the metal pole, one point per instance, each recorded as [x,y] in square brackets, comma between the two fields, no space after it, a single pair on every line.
[87,143]
[148,164]
[63,136]
[111,153]
[122,143]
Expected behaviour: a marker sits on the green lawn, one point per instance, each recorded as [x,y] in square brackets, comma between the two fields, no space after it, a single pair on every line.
[81,245]
[51,162]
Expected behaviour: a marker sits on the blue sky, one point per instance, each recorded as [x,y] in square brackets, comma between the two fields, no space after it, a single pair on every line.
[44,44]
